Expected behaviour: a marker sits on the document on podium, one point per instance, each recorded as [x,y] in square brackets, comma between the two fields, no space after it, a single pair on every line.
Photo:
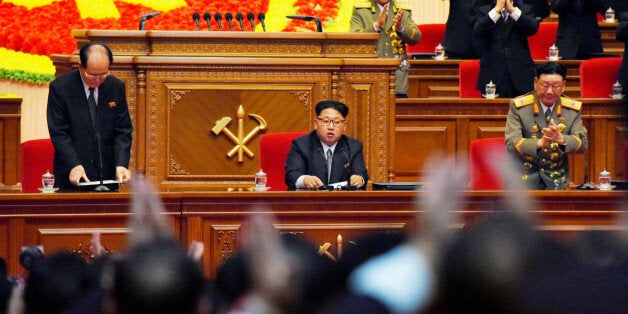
[107,186]
[104,182]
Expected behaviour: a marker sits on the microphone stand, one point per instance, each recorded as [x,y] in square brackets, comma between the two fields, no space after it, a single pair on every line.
[101,187]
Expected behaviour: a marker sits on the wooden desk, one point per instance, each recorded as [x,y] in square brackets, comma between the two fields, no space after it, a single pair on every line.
[66,220]
[433,78]
[609,42]
[181,83]
[441,127]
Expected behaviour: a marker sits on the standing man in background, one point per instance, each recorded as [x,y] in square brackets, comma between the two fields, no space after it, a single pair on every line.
[578,35]
[621,33]
[500,36]
[393,21]
[459,28]
[87,108]
[541,8]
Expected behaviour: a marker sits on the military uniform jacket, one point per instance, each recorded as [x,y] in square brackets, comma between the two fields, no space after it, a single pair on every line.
[525,120]
[391,43]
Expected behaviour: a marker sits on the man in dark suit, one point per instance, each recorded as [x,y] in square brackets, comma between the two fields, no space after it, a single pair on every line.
[621,33]
[459,28]
[83,105]
[501,38]
[541,8]
[326,155]
[578,34]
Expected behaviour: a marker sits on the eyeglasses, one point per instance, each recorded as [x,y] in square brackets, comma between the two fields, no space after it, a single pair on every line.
[94,77]
[326,122]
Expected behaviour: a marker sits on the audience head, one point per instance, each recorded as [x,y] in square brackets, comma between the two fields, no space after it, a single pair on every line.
[95,61]
[486,264]
[549,82]
[155,277]
[5,286]
[31,257]
[330,121]
[54,284]
[233,279]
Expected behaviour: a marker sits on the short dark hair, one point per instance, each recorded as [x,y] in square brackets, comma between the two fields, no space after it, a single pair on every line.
[87,49]
[325,104]
[551,68]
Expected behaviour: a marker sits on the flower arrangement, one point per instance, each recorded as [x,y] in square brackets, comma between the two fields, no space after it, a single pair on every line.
[38,28]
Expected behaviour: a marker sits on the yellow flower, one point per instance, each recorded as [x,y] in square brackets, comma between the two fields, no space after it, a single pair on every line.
[15,60]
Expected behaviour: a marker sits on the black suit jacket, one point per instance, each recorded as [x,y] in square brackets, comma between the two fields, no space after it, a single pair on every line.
[73,135]
[504,49]
[621,33]
[306,157]
[578,31]
[541,8]
[459,28]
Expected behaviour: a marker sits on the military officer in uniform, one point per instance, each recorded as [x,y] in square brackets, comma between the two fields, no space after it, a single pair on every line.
[543,127]
[393,21]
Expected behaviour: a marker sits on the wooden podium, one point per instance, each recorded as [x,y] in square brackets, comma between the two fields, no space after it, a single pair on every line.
[200,100]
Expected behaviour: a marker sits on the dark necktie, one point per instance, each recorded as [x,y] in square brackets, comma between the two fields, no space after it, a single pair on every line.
[91,102]
[578,6]
[329,159]
[504,14]
[548,115]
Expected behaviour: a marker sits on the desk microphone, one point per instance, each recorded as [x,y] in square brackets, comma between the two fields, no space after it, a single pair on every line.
[208,18]
[251,17]
[229,18]
[145,17]
[218,18]
[319,27]
[196,17]
[101,187]
[240,18]
[261,17]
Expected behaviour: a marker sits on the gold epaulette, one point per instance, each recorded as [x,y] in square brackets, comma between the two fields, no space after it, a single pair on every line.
[362,5]
[570,103]
[524,100]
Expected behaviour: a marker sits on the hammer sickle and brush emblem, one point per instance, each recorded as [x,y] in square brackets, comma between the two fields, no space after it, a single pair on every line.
[241,139]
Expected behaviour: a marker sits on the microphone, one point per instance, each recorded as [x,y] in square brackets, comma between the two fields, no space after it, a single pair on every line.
[319,27]
[229,18]
[261,17]
[101,187]
[145,17]
[251,17]
[218,18]
[240,18]
[207,18]
[196,17]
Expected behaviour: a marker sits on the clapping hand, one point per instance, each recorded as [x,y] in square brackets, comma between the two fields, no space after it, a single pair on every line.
[381,19]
